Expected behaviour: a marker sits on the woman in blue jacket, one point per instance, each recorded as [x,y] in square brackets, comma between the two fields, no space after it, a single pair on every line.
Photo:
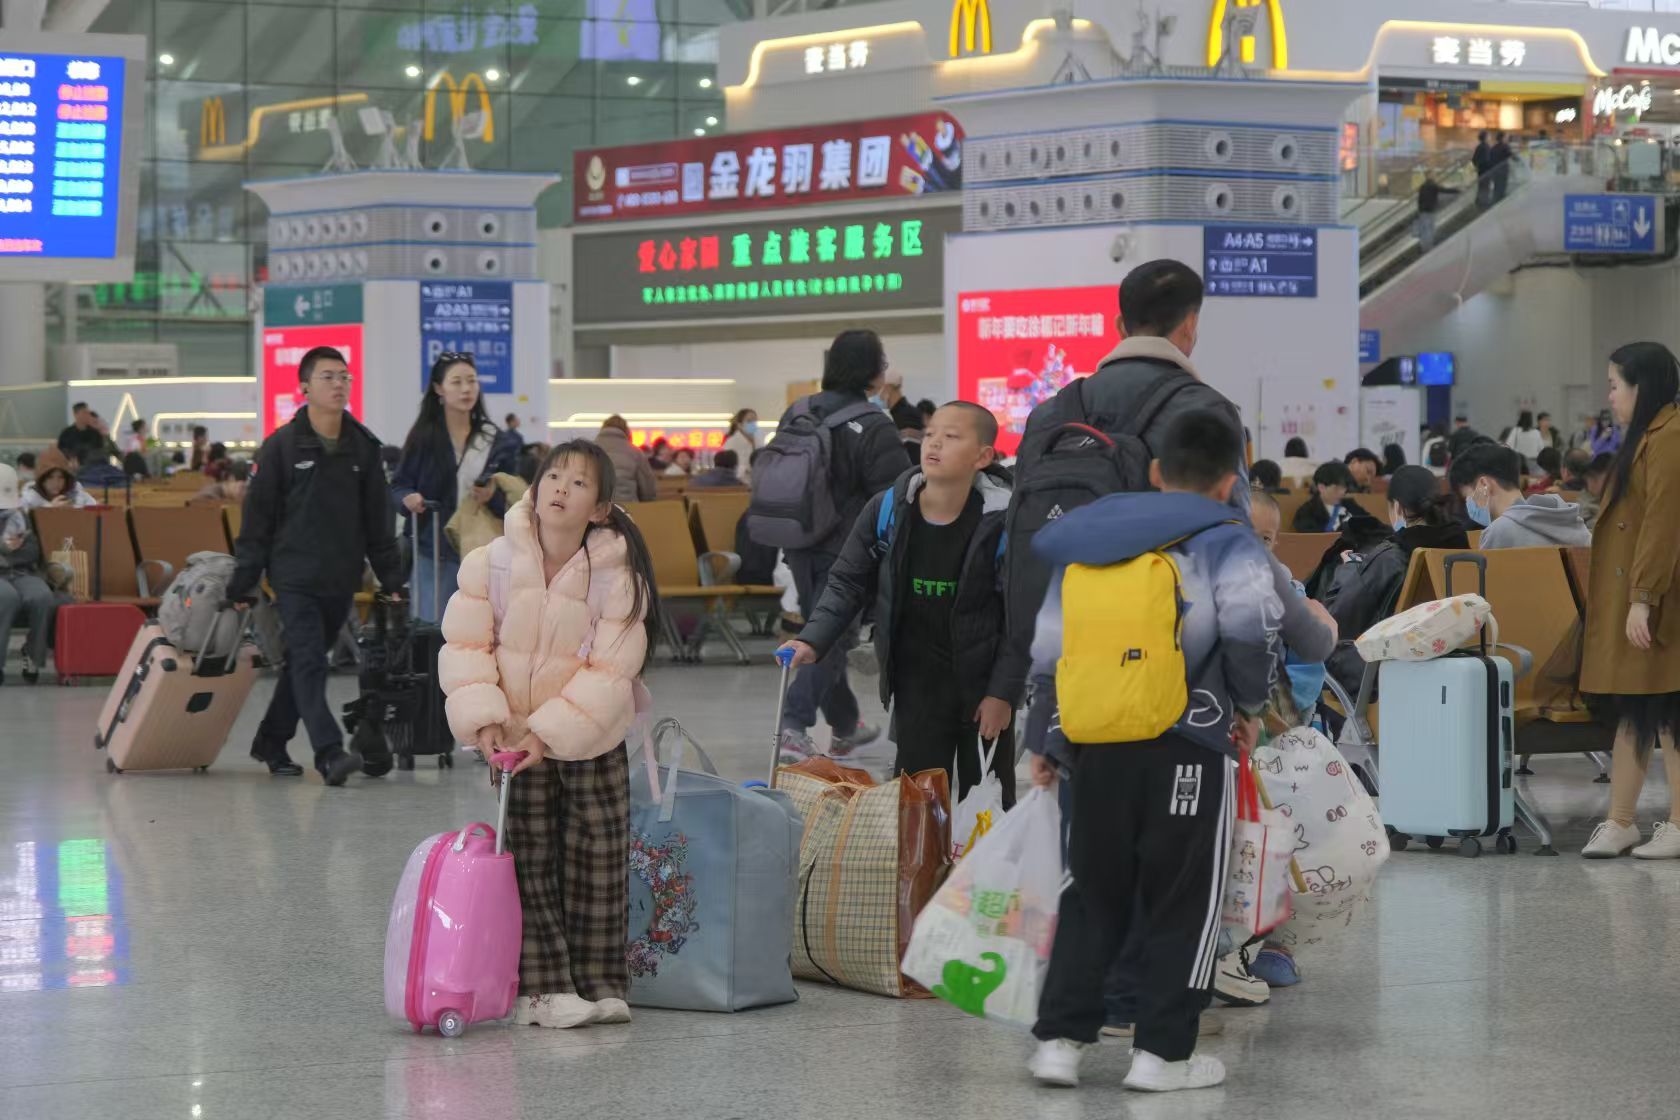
[448,458]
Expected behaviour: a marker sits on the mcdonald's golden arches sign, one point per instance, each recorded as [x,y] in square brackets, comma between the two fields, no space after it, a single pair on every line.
[458,102]
[212,122]
[1245,50]
[971,27]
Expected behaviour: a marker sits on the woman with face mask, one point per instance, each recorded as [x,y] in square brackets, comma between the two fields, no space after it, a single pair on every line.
[742,439]
[1630,660]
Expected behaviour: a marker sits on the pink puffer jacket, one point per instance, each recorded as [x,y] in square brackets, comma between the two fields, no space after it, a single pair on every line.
[565,659]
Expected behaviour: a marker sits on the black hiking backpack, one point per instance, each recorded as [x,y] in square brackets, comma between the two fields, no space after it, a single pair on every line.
[1071,460]
[792,490]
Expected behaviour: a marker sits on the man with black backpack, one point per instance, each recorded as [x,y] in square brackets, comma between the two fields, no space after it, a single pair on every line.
[1097,437]
[1145,384]
[833,452]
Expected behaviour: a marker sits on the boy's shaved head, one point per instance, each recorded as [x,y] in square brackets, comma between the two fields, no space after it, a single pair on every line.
[985,423]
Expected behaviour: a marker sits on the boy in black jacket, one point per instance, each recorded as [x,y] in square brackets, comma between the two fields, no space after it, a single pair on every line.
[928,553]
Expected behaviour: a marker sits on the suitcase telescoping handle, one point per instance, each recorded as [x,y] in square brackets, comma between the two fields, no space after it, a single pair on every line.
[505,761]
[414,580]
[1480,561]
[784,658]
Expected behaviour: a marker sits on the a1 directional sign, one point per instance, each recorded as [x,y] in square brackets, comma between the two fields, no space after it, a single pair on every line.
[1610,223]
[1252,260]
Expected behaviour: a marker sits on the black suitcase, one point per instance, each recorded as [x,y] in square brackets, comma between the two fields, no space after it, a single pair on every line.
[399,714]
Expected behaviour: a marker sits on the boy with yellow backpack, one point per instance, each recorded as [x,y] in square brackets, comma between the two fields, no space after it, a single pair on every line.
[1161,627]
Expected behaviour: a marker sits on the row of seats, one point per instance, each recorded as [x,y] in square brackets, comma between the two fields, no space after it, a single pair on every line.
[139,548]
[692,540]
[1301,553]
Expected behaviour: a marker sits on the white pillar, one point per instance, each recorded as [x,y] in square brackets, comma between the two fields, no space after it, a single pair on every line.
[23,334]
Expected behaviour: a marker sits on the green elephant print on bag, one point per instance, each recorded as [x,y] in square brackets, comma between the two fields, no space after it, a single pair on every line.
[966,986]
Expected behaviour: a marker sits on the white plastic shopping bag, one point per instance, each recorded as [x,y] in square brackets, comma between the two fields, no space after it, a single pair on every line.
[1337,836]
[983,943]
[980,809]
[1258,886]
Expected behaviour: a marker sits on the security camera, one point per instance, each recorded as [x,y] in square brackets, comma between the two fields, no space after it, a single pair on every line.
[1120,246]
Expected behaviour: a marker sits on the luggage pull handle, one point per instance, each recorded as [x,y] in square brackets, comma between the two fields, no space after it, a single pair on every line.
[1454,560]
[414,578]
[784,658]
[504,761]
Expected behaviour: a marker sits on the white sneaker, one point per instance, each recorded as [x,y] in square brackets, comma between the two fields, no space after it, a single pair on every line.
[1056,1062]
[1665,843]
[612,1010]
[1610,840]
[562,1011]
[1235,985]
[1155,1075]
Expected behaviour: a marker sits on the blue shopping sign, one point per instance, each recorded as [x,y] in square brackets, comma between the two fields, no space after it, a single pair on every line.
[469,317]
[1370,347]
[1261,261]
[1609,223]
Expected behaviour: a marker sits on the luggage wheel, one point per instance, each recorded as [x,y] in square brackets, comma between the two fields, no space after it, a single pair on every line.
[446,761]
[1469,847]
[1397,841]
[111,767]
[1506,845]
[405,762]
[451,1024]
[201,769]
[1432,841]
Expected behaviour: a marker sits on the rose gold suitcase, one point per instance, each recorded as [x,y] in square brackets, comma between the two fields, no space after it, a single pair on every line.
[169,710]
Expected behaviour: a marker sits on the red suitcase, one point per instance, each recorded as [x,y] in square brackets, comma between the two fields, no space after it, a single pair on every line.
[92,639]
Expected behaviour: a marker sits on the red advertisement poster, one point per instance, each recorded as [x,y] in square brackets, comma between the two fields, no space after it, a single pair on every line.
[284,347]
[1015,349]
[814,164]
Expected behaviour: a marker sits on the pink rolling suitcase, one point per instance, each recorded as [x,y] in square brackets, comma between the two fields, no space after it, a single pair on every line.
[452,945]
[169,710]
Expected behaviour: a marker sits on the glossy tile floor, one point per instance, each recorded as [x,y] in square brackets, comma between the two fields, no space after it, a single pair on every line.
[183,947]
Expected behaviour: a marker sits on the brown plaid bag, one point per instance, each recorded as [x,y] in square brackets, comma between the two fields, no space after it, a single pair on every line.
[871,858]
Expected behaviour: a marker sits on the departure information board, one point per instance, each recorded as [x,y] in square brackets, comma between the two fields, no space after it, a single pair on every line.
[61,125]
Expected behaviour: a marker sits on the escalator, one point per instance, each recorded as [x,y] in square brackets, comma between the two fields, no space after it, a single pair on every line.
[1478,238]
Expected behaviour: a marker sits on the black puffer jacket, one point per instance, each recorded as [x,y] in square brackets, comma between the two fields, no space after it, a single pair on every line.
[311,518]
[871,570]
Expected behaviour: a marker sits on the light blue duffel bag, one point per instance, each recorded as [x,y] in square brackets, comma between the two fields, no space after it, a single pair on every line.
[713,878]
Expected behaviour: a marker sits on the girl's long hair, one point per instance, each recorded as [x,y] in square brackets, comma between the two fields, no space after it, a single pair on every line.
[645,600]
[429,429]
[1418,493]
[1649,367]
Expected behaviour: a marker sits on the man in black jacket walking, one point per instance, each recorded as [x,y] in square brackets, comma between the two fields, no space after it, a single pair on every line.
[866,458]
[317,506]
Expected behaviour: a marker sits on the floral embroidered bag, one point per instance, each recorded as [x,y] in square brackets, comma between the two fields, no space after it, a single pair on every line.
[712,883]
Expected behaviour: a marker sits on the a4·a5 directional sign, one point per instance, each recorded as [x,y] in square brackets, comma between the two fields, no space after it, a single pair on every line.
[1610,223]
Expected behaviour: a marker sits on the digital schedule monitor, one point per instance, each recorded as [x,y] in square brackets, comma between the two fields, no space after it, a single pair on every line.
[70,131]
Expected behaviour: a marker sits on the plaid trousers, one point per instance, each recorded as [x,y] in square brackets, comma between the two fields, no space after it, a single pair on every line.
[569,831]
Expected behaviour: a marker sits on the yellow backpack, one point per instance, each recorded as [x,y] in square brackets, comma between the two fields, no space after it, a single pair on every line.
[1121,677]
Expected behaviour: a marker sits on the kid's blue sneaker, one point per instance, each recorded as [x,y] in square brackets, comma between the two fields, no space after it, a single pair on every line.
[1276,967]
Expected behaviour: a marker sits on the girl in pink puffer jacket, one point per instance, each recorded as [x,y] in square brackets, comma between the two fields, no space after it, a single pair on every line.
[544,643]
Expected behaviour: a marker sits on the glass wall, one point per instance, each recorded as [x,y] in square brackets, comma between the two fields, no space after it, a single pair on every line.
[242,89]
